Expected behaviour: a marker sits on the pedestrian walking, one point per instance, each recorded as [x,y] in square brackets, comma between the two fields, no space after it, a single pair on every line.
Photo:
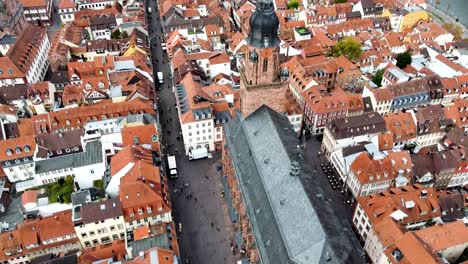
[212,224]
[195,199]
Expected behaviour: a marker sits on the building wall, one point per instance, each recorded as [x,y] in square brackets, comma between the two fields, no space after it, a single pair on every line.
[84,176]
[373,247]
[38,69]
[361,222]
[67,15]
[40,15]
[453,253]
[272,94]
[19,172]
[411,100]
[102,232]
[12,81]
[242,223]
[198,134]
[100,34]
[153,220]
[428,139]
[458,179]
[216,69]
[96,4]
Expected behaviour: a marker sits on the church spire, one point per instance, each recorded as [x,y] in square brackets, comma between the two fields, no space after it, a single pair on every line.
[264,26]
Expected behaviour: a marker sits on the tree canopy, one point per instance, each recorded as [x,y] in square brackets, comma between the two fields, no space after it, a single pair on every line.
[293,4]
[455,30]
[403,59]
[348,47]
[340,1]
[377,79]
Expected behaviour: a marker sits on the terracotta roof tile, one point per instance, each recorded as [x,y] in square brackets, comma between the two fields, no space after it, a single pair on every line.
[129,154]
[143,134]
[419,208]
[401,125]
[219,58]
[17,148]
[20,57]
[29,196]
[64,4]
[441,237]
[141,232]
[33,3]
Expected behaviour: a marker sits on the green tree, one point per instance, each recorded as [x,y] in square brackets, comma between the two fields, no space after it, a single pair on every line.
[61,181]
[403,59]
[377,79]
[293,4]
[340,1]
[124,34]
[455,30]
[116,35]
[86,35]
[348,47]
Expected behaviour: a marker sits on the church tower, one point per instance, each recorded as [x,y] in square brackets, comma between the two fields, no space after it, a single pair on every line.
[262,82]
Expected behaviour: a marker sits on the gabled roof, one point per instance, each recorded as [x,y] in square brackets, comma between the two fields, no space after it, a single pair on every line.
[17,148]
[19,58]
[285,222]
[65,4]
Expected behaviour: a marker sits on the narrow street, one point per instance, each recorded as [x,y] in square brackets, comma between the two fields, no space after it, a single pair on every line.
[207,231]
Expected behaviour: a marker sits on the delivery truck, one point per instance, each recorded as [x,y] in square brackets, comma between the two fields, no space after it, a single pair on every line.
[171,162]
[199,153]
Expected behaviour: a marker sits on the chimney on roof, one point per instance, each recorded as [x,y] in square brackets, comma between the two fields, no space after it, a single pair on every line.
[60,135]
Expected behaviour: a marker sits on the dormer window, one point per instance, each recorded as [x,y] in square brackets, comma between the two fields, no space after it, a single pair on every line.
[18,150]
[88,86]
[9,152]
[101,85]
[27,148]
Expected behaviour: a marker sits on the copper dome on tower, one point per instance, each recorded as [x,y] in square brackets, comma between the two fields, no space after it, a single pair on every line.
[264,26]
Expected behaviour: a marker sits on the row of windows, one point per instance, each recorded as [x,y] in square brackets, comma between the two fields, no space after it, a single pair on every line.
[203,138]
[197,125]
[203,132]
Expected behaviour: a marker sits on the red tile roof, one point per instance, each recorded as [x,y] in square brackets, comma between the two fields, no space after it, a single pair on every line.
[129,154]
[116,251]
[33,3]
[64,4]
[141,232]
[77,117]
[419,208]
[17,148]
[145,135]
[441,237]
[19,58]
[29,196]
[38,231]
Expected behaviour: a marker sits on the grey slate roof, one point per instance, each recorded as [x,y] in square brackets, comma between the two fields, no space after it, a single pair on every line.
[281,208]
[7,39]
[98,211]
[92,155]
[144,244]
